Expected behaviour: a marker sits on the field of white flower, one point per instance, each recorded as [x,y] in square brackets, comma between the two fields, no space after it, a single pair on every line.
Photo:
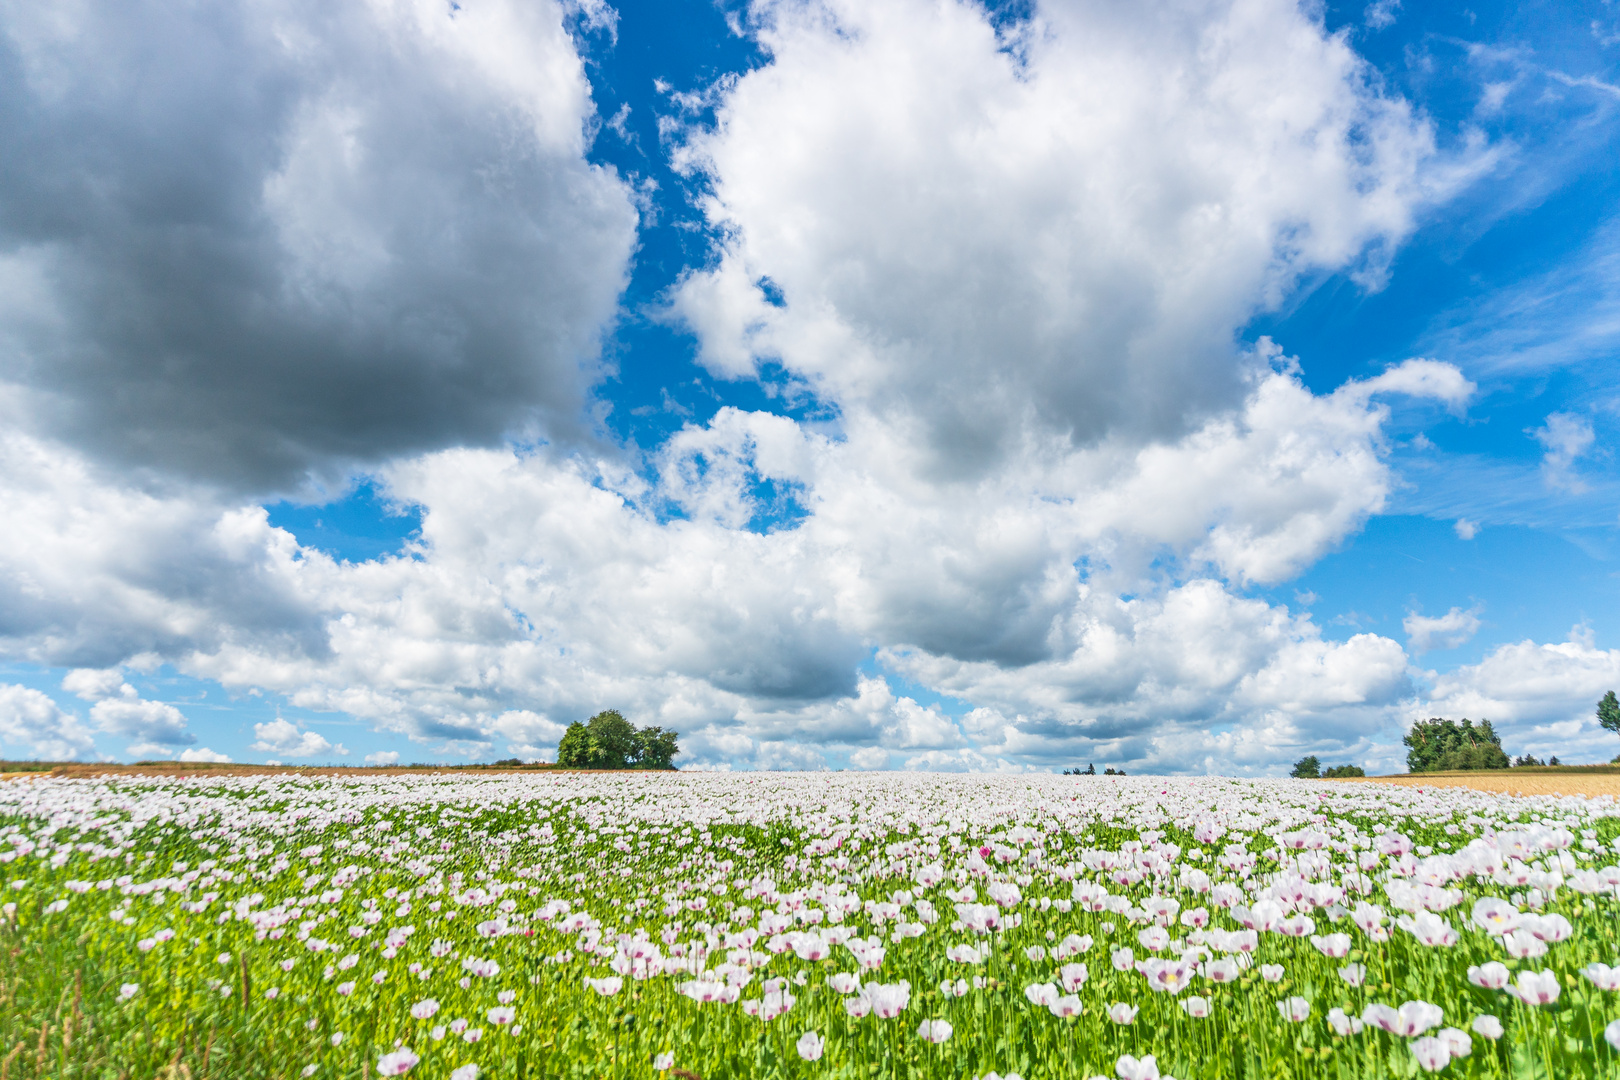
[804,925]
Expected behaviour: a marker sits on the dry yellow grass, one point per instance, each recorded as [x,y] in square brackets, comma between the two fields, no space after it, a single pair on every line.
[1510,783]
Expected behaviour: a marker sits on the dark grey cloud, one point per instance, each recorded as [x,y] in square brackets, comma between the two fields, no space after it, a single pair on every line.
[250,241]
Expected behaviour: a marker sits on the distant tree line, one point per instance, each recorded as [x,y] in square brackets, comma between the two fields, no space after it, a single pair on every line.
[609,741]
[1309,767]
[1441,745]
[1091,770]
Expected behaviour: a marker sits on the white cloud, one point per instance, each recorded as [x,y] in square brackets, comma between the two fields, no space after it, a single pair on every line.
[1445,632]
[144,721]
[383,757]
[1013,272]
[202,753]
[1380,14]
[1542,697]
[870,757]
[1465,529]
[1418,378]
[1565,438]
[93,685]
[283,737]
[32,723]
[931,202]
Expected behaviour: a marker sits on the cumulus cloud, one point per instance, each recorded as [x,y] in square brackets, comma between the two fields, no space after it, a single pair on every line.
[383,757]
[143,721]
[1542,697]
[93,685]
[250,243]
[1009,266]
[32,724]
[202,753]
[1447,631]
[284,738]
[978,234]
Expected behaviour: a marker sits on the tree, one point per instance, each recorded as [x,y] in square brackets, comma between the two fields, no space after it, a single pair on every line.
[1338,771]
[613,740]
[656,748]
[576,748]
[1089,770]
[609,741]
[1608,713]
[1307,768]
[1436,744]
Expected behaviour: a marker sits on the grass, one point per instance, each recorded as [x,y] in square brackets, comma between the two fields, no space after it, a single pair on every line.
[205,896]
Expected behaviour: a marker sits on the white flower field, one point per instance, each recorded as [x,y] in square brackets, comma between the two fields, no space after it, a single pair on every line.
[803,925]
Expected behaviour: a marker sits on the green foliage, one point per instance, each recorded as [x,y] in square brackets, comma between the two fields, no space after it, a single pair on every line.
[609,741]
[1437,745]
[1524,760]
[613,740]
[1307,768]
[1089,770]
[1111,771]
[1608,713]
[1339,771]
[656,748]
[576,749]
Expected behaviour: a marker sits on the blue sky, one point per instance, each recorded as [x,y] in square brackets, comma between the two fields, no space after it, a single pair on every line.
[849,385]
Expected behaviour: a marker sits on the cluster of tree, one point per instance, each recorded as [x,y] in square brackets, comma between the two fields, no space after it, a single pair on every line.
[609,741]
[1530,759]
[1309,767]
[1091,770]
[1436,745]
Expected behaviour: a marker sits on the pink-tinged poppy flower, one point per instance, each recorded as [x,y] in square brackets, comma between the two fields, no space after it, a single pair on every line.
[934,1031]
[128,990]
[1130,1068]
[1196,1007]
[1271,972]
[1612,1033]
[501,1014]
[857,1007]
[1536,987]
[844,983]
[1296,1009]
[1335,945]
[1073,976]
[1495,916]
[809,1046]
[1121,1013]
[397,1063]
[464,1072]
[1354,974]
[1432,1054]
[345,989]
[472,1035]
[1602,976]
[1411,1019]
[1457,1040]
[1065,1007]
[1343,1025]
[1041,994]
[1487,1025]
[888,999]
[1491,976]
